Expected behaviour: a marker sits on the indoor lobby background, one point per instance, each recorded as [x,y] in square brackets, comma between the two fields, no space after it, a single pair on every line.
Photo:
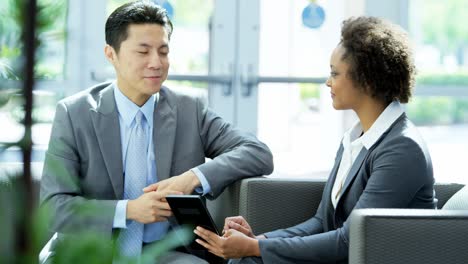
[259,67]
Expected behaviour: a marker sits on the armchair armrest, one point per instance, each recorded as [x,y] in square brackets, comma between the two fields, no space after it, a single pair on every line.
[408,236]
[268,203]
[272,203]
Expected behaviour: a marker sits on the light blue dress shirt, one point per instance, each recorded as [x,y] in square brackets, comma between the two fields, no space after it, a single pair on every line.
[127,112]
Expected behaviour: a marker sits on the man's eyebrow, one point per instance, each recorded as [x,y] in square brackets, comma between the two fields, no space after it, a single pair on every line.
[164,46]
[145,45]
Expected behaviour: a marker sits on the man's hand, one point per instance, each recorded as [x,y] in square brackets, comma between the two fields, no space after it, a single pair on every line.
[150,207]
[238,223]
[185,183]
[233,244]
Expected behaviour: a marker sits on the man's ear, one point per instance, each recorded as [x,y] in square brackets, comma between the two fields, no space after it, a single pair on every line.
[110,53]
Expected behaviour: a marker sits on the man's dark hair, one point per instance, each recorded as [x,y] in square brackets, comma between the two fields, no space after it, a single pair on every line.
[379,57]
[138,12]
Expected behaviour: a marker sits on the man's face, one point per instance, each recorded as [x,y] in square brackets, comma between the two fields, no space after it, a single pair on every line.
[142,62]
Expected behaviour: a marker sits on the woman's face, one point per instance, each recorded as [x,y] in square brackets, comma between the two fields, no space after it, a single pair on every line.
[344,93]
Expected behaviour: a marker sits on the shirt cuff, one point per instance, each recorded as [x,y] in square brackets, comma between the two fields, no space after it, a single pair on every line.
[205,186]
[120,217]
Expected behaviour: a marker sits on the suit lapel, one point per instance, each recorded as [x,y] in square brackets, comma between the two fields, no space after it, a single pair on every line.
[334,171]
[363,154]
[329,211]
[354,170]
[105,120]
[164,132]
[331,181]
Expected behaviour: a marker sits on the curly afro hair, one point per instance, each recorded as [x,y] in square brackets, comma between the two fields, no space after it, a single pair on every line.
[380,58]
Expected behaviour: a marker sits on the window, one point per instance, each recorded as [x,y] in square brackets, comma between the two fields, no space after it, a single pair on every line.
[50,72]
[440,107]
[297,121]
[50,54]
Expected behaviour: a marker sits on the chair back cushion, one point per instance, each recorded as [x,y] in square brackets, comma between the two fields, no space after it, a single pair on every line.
[459,201]
[443,192]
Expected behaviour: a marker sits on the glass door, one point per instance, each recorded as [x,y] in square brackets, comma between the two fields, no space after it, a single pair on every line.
[295,117]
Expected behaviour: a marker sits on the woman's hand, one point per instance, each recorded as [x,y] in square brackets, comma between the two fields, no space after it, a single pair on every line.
[233,244]
[238,223]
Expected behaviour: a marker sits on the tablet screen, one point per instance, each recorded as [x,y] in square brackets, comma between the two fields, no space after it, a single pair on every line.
[191,210]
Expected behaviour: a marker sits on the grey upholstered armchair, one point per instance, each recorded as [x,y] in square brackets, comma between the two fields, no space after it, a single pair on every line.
[411,236]
[377,235]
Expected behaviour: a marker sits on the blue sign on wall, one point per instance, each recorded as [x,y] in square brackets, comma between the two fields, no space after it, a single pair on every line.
[313,16]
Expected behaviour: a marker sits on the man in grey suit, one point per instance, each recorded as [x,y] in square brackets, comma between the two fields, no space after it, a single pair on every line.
[86,161]
[382,161]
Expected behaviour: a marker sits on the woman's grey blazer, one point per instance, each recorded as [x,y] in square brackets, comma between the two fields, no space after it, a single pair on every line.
[395,173]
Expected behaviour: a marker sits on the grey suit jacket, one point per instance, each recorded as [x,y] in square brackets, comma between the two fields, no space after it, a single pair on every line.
[83,164]
[395,173]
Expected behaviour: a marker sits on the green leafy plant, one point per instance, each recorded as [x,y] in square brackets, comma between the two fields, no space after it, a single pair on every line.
[6,72]
[50,20]
[91,248]
[83,247]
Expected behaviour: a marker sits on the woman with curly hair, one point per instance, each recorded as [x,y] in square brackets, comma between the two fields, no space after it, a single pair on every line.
[382,161]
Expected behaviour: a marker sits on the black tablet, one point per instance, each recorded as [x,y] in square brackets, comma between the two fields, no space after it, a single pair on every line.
[191,210]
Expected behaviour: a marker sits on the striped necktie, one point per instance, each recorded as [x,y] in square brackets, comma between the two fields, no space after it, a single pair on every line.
[130,239]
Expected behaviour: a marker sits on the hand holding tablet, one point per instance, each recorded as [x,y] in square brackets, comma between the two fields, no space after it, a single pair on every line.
[191,210]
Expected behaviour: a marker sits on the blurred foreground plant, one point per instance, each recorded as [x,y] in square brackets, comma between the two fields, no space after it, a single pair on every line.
[80,247]
[91,248]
